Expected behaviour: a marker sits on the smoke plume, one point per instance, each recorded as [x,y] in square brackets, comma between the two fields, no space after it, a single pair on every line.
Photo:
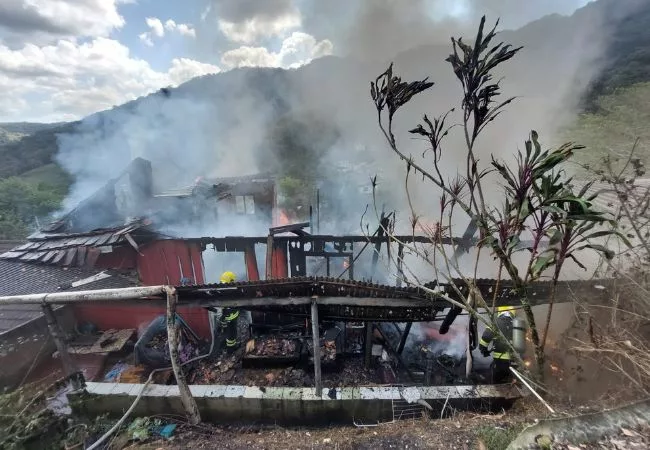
[221,124]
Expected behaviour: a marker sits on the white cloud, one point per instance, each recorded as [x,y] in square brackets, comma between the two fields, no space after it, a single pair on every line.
[46,21]
[206,11]
[70,80]
[250,57]
[184,69]
[182,28]
[157,29]
[156,26]
[146,39]
[251,30]
[297,50]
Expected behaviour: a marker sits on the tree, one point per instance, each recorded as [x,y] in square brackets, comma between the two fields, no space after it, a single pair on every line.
[541,218]
[21,203]
[298,144]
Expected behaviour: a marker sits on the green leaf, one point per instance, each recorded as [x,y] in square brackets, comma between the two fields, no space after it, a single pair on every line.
[554,210]
[598,234]
[609,254]
[582,266]
[541,264]
[556,237]
[513,243]
[524,211]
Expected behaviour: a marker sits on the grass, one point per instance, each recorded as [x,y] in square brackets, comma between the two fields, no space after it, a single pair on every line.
[619,120]
[50,175]
[496,438]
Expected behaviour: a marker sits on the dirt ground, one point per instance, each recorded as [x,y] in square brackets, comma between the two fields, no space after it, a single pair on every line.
[459,432]
[463,431]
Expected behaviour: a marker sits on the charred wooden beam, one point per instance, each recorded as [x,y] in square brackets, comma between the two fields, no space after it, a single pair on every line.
[57,336]
[292,228]
[316,340]
[394,353]
[269,257]
[252,303]
[404,337]
[367,345]
[191,408]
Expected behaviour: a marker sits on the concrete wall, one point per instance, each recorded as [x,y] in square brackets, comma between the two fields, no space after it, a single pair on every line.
[220,403]
[24,348]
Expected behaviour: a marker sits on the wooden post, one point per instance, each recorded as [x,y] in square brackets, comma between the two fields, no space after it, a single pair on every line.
[269,257]
[316,338]
[191,409]
[400,267]
[405,335]
[368,344]
[57,336]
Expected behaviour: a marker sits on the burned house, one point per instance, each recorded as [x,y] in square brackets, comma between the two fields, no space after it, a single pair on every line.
[116,238]
[320,345]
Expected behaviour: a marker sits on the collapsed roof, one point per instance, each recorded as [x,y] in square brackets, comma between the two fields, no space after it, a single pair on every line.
[22,278]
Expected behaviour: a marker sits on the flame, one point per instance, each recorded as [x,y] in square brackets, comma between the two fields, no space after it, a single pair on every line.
[283,218]
[527,363]
[430,228]
[554,368]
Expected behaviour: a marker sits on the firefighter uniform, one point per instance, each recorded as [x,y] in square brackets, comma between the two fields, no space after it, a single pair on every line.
[229,317]
[500,368]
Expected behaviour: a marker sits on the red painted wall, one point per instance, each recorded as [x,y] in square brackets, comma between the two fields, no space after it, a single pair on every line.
[119,316]
[159,262]
[167,261]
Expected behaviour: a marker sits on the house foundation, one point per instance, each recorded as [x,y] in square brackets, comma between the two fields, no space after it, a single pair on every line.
[293,406]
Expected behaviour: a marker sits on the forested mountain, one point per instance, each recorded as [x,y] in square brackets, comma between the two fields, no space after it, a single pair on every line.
[305,108]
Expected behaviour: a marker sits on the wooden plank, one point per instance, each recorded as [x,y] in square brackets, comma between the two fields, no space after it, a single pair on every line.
[191,408]
[325,301]
[316,339]
[119,339]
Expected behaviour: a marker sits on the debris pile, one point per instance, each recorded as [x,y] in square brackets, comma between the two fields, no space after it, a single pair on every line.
[158,342]
[271,346]
[328,351]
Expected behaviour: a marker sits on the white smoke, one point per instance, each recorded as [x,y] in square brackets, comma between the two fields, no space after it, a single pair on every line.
[219,124]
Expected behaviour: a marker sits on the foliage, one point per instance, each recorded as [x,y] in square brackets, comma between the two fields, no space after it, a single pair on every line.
[298,144]
[49,177]
[21,204]
[495,438]
[619,119]
[619,330]
[296,194]
[539,201]
[627,56]
[31,151]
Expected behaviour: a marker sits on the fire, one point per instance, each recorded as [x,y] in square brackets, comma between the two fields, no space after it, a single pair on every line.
[554,368]
[527,363]
[283,218]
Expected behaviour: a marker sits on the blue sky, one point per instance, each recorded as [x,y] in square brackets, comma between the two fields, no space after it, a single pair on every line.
[64,59]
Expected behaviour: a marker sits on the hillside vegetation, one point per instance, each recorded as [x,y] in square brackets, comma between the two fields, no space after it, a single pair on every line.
[619,119]
[616,109]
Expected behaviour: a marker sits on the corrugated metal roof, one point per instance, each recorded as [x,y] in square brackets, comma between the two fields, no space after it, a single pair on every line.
[72,249]
[20,278]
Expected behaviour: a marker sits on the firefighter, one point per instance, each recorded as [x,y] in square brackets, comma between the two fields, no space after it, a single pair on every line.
[229,317]
[500,367]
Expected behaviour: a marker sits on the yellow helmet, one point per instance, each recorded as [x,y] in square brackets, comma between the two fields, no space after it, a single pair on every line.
[506,310]
[228,277]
